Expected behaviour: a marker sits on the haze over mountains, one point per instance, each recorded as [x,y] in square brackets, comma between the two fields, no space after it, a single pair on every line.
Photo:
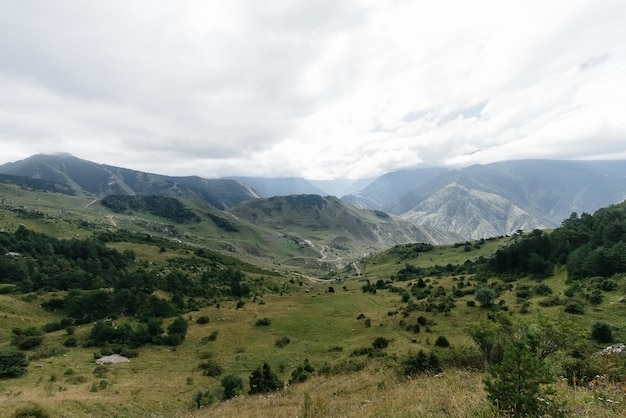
[474,202]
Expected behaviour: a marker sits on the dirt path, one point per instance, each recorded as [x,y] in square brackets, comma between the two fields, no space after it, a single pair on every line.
[90,203]
[112,220]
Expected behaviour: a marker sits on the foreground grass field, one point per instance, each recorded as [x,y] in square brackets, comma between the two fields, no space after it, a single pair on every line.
[321,326]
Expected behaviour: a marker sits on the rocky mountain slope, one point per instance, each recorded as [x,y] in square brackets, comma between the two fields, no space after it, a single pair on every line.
[500,198]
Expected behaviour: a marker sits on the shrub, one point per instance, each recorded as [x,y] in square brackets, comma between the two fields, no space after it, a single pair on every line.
[233,386]
[201,399]
[442,341]
[263,380]
[485,296]
[241,304]
[574,307]
[210,368]
[380,343]
[26,338]
[302,372]
[70,342]
[12,363]
[263,322]
[203,320]
[422,320]
[601,332]
[282,342]
[421,363]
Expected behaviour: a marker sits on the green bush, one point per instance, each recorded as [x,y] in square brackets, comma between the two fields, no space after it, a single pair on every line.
[263,380]
[12,363]
[210,368]
[233,386]
[421,363]
[201,399]
[601,332]
[380,343]
[282,342]
[442,341]
[203,320]
[263,322]
[302,372]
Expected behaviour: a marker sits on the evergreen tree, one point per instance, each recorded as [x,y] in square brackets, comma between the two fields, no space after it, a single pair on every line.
[514,386]
[263,380]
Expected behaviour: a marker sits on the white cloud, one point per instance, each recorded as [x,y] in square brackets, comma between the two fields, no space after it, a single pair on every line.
[313,88]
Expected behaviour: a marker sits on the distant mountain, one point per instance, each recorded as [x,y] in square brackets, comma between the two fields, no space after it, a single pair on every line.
[499,198]
[84,177]
[391,186]
[343,223]
[341,187]
[270,187]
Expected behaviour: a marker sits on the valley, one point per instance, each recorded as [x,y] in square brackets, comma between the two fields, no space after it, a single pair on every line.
[353,313]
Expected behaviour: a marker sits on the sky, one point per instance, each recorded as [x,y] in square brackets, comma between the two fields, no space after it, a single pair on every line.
[319,89]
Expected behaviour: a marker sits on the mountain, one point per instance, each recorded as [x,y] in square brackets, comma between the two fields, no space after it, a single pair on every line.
[87,178]
[390,187]
[500,198]
[270,187]
[341,224]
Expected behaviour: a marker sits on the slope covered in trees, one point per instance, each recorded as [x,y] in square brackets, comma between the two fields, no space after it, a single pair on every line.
[589,245]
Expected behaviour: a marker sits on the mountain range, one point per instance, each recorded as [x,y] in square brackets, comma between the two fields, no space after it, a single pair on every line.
[475,202]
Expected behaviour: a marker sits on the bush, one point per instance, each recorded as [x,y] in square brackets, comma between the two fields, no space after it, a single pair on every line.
[282,342]
[12,363]
[201,399]
[26,338]
[442,341]
[421,363]
[302,372]
[202,320]
[574,307]
[380,343]
[210,368]
[601,332]
[263,322]
[233,386]
[263,380]
[485,296]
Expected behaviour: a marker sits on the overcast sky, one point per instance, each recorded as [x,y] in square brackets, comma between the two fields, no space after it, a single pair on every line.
[319,89]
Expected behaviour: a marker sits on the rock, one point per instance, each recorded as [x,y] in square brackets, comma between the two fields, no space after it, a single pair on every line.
[115,358]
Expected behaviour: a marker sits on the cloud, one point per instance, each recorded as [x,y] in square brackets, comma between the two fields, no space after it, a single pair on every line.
[315,88]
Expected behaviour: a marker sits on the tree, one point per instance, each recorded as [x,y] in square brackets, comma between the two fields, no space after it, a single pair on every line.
[12,363]
[514,386]
[233,386]
[485,296]
[263,380]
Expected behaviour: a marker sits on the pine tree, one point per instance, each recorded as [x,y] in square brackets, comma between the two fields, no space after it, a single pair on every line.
[515,385]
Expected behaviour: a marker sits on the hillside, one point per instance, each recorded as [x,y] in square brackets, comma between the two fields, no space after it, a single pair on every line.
[341,225]
[359,342]
[86,178]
